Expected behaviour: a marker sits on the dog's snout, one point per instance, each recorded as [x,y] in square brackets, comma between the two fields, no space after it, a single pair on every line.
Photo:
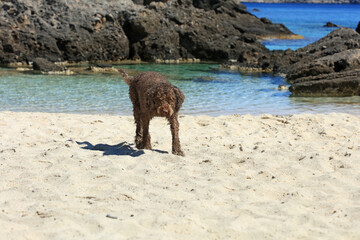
[165,110]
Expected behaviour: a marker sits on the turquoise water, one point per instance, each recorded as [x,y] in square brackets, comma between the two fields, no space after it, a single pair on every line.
[305,19]
[207,91]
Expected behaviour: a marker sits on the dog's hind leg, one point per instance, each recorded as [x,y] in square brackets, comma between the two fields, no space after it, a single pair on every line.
[137,117]
[146,144]
[139,130]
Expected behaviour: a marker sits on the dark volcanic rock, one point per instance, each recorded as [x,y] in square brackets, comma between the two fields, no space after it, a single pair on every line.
[60,31]
[208,30]
[330,24]
[325,64]
[324,68]
[358,28]
[338,62]
[221,6]
[43,65]
[333,75]
[93,30]
[335,84]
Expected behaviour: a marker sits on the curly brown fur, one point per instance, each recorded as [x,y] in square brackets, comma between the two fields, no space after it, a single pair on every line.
[153,95]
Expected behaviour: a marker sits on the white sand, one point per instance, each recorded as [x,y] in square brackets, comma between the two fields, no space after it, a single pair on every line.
[243,177]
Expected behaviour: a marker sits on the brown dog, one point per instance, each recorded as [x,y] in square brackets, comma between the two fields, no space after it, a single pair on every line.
[153,95]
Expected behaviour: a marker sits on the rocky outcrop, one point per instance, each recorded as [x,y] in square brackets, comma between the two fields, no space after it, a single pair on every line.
[46,67]
[330,24]
[327,67]
[60,31]
[333,75]
[201,29]
[338,84]
[43,65]
[92,30]
[175,32]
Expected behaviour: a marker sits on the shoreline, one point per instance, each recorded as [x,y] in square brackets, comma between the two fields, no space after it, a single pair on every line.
[74,175]
[79,64]
[214,114]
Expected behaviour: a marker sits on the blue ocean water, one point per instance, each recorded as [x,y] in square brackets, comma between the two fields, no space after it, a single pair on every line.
[307,20]
[208,92]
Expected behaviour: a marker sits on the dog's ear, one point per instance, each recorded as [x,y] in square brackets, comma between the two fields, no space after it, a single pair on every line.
[180,97]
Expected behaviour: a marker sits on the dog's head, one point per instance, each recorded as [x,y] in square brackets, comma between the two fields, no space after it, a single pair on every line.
[165,100]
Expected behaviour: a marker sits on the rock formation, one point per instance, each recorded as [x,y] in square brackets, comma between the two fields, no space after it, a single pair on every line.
[330,24]
[328,67]
[44,66]
[60,31]
[335,72]
[94,30]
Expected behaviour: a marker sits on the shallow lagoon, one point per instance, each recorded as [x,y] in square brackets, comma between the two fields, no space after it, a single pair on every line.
[207,92]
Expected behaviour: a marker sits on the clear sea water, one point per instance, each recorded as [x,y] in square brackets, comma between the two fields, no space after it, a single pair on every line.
[208,92]
[307,20]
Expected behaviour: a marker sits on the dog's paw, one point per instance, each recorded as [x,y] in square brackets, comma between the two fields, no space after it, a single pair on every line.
[144,146]
[179,153]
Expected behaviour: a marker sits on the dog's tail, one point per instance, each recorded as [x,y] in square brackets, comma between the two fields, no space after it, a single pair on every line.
[126,77]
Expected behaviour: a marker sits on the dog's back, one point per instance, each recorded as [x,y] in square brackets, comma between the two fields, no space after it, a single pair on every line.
[154,93]
[144,78]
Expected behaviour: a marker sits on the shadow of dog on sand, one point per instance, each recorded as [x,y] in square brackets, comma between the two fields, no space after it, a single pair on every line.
[120,149]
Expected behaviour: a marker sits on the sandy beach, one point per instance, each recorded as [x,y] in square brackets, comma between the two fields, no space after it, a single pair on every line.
[67,176]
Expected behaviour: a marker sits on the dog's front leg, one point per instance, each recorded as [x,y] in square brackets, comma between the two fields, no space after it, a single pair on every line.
[174,127]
